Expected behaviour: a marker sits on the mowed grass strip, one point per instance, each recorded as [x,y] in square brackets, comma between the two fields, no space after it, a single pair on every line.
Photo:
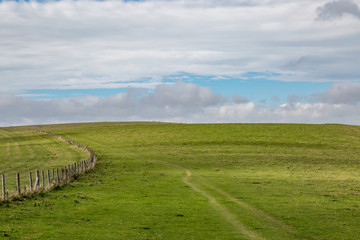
[247,181]
[22,151]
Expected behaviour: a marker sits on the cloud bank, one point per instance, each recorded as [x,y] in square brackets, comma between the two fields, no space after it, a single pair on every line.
[139,45]
[181,102]
[111,44]
[340,93]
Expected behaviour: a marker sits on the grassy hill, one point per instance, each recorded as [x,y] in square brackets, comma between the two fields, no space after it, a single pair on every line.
[192,181]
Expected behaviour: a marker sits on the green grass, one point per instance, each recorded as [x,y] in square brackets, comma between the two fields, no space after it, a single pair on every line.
[23,151]
[195,181]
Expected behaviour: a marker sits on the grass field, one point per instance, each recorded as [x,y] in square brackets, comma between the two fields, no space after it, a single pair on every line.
[192,181]
[22,151]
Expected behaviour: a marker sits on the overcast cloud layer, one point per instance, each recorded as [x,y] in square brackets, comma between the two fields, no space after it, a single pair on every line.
[115,44]
[182,102]
[107,44]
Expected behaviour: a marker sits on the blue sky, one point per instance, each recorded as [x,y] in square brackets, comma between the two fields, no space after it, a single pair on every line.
[259,90]
[183,61]
[254,87]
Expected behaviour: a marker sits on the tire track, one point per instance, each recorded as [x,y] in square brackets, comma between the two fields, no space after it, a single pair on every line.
[254,210]
[223,210]
[226,213]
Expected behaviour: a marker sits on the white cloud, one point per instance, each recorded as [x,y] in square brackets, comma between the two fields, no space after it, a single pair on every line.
[182,94]
[179,102]
[106,44]
[113,44]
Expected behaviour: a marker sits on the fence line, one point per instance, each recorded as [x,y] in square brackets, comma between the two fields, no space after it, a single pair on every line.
[64,175]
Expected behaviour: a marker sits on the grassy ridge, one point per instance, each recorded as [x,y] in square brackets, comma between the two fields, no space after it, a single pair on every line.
[210,181]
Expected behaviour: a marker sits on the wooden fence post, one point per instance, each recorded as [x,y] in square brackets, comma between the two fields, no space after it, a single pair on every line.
[57,174]
[66,173]
[18,183]
[49,181]
[3,186]
[43,179]
[30,182]
[53,175]
[37,183]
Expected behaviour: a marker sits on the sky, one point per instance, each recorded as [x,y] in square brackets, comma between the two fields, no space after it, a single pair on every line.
[188,61]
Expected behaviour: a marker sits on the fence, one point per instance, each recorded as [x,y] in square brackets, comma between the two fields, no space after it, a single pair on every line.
[51,177]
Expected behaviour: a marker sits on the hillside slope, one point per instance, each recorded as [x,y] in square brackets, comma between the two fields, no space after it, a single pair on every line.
[202,181]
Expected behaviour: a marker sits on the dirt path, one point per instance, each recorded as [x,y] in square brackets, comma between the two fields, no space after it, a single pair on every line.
[229,216]
[254,210]
[225,212]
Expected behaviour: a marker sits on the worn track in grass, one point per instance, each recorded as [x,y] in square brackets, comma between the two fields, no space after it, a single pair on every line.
[223,211]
